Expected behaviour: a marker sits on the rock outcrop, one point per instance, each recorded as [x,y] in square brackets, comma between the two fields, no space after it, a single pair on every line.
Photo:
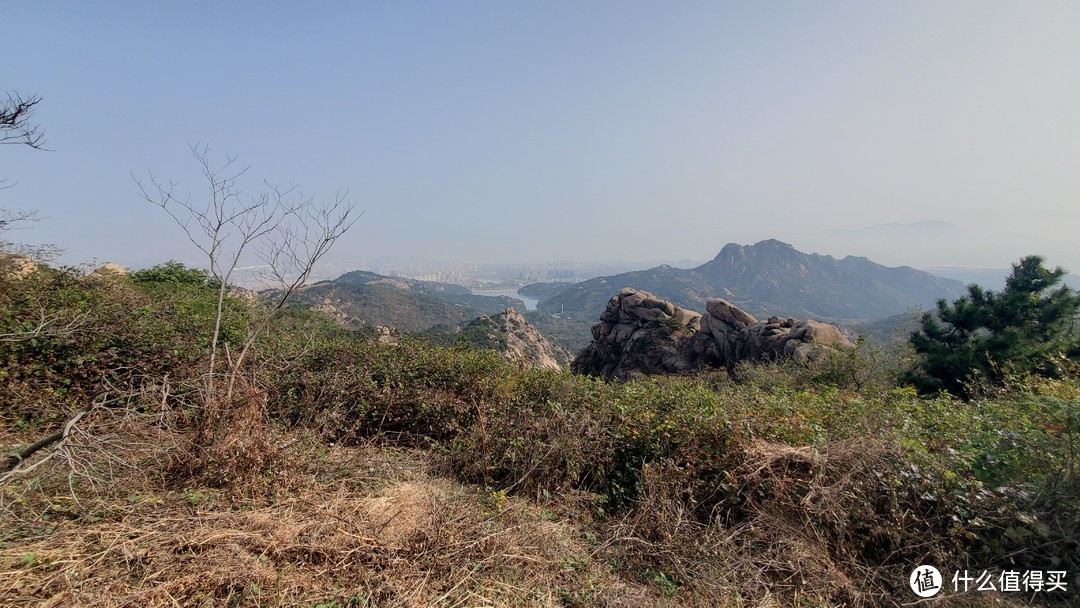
[110,269]
[638,332]
[641,333]
[516,339]
[729,336]
[386,335]
[16,266]
[109,272]
[243,293]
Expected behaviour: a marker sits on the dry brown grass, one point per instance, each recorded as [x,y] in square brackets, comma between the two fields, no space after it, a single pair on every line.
[789,548]
[232,442]
[368,526]
[102,524]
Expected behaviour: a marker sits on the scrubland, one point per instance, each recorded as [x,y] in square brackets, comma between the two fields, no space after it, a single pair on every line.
[337,470]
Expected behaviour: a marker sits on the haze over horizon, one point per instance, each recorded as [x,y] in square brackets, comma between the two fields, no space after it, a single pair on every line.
[492,132]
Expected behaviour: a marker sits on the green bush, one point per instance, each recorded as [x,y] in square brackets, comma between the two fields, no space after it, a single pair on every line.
[174,273]
[70,337]
[983,336]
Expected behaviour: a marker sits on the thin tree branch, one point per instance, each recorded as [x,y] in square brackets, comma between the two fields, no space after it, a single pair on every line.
[15,127]
[15,460]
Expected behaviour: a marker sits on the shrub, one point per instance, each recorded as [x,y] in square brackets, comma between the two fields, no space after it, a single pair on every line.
[174,273]
[1029,325]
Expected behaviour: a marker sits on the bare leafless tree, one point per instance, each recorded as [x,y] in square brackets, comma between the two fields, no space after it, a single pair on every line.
[14,220]
[287,230]
[16,128]
[15,125]
[20,219]
[49,323]
[289,255]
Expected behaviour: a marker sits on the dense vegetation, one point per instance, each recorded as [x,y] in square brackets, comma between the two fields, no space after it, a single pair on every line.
[982,337]
[803,486]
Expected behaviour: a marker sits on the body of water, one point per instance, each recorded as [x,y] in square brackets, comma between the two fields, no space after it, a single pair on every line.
[530,303]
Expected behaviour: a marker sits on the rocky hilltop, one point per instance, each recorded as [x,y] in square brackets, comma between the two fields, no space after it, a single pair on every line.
[639,332]
[773,278]
[16,266]
[516,339]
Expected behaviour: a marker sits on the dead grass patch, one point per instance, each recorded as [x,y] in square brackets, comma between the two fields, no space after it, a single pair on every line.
[402,511]
[366,526]
[790,544]
[376,526]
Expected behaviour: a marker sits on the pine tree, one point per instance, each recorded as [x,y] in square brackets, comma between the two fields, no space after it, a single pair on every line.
[976,339]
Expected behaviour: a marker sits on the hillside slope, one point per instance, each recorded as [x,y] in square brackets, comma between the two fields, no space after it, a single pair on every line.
[366,298]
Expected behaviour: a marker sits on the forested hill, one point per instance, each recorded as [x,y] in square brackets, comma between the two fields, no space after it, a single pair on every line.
[772,277]
[366,298]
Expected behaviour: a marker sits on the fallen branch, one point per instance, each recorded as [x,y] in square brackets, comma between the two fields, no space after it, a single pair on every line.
[14,460]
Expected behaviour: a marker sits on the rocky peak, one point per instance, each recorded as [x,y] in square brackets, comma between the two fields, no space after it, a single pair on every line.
[518,340]
[734,253]
[108,272]
[773,278]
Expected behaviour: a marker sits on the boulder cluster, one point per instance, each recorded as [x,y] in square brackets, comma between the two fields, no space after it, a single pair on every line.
[729,335]
[638,332]
[642,333]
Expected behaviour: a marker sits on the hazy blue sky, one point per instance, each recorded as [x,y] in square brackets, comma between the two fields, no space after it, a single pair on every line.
[512,131]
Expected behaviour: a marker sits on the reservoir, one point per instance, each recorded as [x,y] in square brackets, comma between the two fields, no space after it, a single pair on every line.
[530,303]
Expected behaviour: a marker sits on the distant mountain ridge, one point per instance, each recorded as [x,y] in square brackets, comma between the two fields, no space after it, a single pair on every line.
[772,277]
[367,298]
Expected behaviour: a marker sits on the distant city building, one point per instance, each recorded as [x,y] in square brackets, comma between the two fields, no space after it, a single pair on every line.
[562,276]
